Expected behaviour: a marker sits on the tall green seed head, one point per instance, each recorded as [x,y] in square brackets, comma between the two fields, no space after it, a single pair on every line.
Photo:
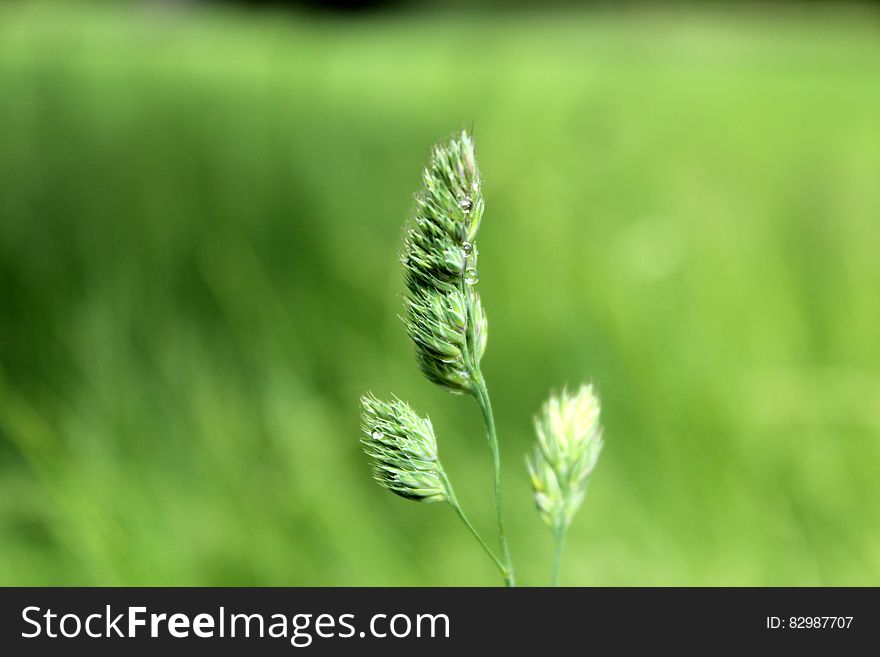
[444,317]
[402,449]
[569,442]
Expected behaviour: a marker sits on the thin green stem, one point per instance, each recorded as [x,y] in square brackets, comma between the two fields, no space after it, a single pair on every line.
[489,420]
[559,540]
[453,502]
[481,394]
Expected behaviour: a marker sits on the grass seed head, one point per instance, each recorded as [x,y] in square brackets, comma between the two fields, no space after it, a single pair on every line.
[568,446]
[402,449]
[440,264]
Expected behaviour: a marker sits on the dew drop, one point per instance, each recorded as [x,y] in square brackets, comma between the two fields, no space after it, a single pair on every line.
[471,276]
[466,204]
[377,435]
[467,248]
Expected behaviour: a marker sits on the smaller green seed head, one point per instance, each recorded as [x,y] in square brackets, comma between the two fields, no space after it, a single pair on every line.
[402,449]
[569,442]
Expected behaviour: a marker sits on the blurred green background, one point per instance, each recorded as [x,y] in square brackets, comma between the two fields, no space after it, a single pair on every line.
[200,211]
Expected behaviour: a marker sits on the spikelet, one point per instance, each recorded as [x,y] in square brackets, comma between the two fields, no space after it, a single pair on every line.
[402,449]
[569,442]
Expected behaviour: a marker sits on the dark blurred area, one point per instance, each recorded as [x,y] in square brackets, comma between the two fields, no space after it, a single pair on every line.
[517,5]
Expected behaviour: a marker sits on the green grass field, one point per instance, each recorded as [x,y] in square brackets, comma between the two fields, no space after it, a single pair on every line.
[199,220]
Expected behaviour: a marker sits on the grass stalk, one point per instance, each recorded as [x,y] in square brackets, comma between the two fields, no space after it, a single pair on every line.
[559,544]
[453,502]
[482,397]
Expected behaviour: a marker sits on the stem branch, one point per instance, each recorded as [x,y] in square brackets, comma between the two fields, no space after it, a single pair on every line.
[489,420]
[453,502]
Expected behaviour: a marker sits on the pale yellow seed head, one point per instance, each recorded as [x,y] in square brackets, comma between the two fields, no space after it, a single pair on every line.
[569,442]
